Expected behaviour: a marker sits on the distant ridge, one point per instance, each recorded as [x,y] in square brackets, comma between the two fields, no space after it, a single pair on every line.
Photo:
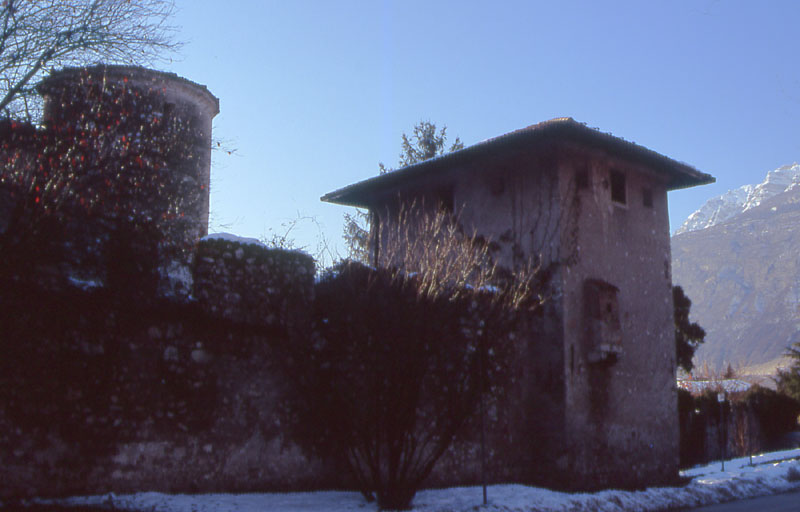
[738,259]
[734,202]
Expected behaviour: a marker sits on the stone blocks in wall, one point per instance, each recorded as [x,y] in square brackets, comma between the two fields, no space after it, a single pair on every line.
[155,393]
[249,283]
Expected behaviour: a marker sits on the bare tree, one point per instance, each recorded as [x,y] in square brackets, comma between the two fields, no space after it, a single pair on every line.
[392,373]
[402,355]
[37,36]
[745,438]
[431,245]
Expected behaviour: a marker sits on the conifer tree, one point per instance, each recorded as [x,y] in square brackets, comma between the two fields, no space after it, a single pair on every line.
[789,379]
[425,143]
[688,335]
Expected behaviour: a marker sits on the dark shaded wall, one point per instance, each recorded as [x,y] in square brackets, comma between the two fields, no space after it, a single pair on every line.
[105,392]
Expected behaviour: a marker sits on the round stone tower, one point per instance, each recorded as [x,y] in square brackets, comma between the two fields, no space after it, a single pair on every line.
[156,95]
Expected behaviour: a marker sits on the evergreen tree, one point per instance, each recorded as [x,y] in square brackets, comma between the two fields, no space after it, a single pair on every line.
[789,379]
[688,335]
[425,143]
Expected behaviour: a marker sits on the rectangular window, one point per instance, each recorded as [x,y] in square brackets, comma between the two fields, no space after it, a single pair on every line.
[618,194]
[647,198]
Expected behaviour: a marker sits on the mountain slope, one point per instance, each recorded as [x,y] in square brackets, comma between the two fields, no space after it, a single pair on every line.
[743,274]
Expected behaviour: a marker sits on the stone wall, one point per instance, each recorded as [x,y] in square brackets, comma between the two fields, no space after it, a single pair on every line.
[244,283]
[103,391]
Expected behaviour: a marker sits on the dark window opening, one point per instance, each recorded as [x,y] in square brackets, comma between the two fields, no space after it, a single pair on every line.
[647,198]
[618,187]
[582,179]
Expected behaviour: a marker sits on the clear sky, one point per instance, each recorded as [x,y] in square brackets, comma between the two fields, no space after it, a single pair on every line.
[313,94]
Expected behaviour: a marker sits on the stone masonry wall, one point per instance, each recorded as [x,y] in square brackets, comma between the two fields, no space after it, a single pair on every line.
[100,392]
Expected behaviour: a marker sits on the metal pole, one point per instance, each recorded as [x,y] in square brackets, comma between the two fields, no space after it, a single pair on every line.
[720,398]
[483,426]
[725,433]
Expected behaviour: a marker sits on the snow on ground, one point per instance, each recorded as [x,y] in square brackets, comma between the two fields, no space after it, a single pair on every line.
[709,484]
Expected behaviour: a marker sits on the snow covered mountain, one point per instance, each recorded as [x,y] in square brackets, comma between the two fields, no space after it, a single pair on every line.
[738,260]
[734,202]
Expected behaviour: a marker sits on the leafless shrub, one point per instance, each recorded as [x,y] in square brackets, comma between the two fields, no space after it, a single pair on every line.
[431,245]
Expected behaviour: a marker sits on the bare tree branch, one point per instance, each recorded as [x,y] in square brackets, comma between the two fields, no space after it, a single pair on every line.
[38,36]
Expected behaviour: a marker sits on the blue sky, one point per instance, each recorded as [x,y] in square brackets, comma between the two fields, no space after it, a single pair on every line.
[313,94]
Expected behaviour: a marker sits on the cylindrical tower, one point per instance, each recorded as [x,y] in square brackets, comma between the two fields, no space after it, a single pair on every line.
[150,107]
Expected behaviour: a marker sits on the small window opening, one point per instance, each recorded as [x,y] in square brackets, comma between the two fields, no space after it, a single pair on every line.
[572,359]
[647,198]
[618,187]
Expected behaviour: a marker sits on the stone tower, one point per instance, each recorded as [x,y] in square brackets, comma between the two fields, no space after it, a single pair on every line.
[187,101]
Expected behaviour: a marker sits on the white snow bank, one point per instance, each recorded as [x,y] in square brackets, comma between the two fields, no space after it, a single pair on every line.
[709,485]
[697,387]
[228,237]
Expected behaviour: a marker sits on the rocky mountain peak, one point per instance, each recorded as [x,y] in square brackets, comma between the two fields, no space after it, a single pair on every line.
[734,202]
[738,260]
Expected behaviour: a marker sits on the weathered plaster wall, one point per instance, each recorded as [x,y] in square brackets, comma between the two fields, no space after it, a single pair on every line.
[621,416]
[514,206]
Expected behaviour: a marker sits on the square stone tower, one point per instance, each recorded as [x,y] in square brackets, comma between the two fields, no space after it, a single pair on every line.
[596,404]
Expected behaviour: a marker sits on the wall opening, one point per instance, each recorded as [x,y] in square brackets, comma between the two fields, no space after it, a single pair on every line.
[572,359]
[602,327]
[647,197]
[618,192]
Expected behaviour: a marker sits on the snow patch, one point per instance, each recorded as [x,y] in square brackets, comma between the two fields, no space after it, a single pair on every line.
[228,237]
[728,385]
[768,475]
[85,284]
[176,279]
